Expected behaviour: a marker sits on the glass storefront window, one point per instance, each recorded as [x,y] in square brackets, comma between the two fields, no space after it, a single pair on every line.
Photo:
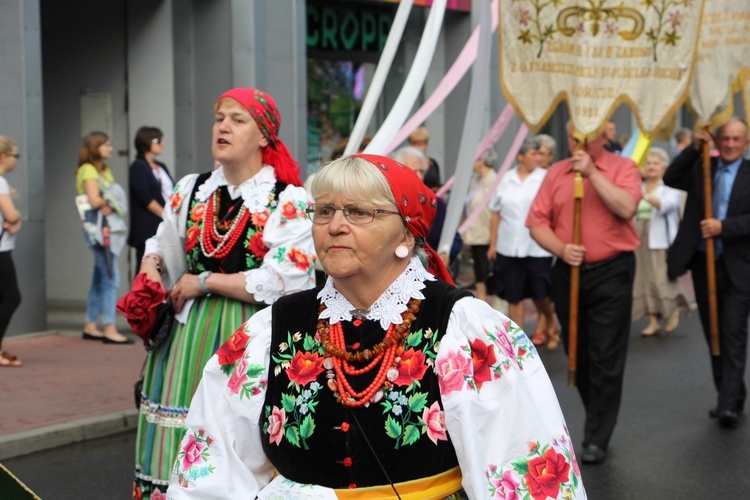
[335,91]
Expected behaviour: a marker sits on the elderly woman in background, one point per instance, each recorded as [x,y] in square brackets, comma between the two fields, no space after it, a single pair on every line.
[656,221]
[523,269]
[150,185]
[233,240]
[478,235]
[386,381]
[547,150]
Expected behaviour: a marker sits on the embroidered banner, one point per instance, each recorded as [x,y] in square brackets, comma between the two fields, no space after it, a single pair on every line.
[723,56]
[597,55]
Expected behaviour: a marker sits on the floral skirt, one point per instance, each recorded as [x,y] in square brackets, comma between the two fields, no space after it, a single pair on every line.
[171,377]
[653,293]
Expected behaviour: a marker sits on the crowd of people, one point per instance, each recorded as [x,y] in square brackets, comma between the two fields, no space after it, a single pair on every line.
[308,348]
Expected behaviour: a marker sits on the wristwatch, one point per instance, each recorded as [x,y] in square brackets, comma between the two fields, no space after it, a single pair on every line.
[202,281]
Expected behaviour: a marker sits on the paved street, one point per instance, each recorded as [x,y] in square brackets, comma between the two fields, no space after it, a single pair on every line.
[664,447]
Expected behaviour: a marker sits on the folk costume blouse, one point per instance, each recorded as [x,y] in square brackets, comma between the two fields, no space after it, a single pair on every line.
[277,245]
[471,392]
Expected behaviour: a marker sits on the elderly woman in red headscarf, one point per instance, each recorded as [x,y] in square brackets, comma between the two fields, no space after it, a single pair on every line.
[232,241]
[384,382]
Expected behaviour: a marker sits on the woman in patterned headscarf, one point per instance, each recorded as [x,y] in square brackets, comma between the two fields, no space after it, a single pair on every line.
[385,382]
[232,241]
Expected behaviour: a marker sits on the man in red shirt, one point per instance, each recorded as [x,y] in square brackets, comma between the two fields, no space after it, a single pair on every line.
[612,190]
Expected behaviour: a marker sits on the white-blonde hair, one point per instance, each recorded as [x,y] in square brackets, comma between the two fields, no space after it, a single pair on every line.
[659,154]
[349,176]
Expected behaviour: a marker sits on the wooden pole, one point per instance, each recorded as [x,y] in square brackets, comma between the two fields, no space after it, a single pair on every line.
[713,308]
[575,281]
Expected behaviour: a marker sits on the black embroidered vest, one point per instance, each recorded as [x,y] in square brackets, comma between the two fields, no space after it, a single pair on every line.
[249,249]
[311,438]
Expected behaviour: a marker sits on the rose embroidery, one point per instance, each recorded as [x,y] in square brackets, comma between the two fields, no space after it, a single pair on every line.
[196,215]
[288,210]
[276,422]
[505,486]
[305,368]
[233,348]
[193,458]
[434,418]
[238,378]
[452,370]
[482,358]
[175,200]
[191,453]
[256,245]
[546,473]
[299,259]
[158,495]
[191,237]
[411,368]
[259,219]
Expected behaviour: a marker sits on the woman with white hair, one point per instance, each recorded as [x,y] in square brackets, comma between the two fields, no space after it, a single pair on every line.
[656,222]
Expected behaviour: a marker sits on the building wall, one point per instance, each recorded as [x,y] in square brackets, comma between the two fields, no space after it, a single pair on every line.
[84,51]
[21,119]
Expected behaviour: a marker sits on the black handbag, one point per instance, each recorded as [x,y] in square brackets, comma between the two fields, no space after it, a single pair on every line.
[162,329]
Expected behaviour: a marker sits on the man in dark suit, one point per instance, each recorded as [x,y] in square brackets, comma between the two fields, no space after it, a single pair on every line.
[730,228]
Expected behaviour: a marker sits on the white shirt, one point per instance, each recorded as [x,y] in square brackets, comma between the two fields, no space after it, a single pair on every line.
[7,241]
[513,199]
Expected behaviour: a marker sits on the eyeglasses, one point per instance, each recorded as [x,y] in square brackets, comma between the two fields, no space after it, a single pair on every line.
[156,140]
[355,213]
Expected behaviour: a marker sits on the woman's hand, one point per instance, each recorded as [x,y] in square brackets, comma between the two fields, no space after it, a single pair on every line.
[12,227]
[151,265]
[186,288]
[106,209]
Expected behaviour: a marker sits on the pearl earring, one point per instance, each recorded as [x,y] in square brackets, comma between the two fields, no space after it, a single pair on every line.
[402,252]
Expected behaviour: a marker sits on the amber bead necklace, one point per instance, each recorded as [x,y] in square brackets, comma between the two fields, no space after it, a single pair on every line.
[381,356]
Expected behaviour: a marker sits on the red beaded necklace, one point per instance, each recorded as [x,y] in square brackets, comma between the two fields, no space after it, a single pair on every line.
[382,357]
[210,230]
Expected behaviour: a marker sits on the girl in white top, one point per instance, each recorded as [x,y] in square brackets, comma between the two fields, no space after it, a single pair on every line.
[523,268]
[10,224]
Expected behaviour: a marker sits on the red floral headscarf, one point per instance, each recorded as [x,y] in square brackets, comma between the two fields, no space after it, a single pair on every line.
[265,113]
[416,203]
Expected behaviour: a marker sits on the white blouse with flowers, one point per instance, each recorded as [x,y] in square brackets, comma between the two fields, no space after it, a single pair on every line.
[282,231]
[499,410]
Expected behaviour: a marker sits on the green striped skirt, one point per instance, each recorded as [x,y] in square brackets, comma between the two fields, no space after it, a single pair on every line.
[171,377]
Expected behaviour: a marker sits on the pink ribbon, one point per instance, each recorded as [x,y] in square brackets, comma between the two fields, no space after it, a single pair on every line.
[454,75]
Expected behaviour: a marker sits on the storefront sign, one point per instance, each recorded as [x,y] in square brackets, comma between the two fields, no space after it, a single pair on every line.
[341,31]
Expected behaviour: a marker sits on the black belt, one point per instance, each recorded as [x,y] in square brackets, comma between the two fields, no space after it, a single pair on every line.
[594,265]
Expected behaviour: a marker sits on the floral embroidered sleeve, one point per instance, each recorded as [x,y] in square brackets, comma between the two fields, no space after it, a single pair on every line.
[221,455]
[501,411]
[169,238]
[288,263]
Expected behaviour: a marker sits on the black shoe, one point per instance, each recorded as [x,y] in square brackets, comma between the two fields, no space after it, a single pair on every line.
[729,419]
[121,342]
[592,454]
[88,336]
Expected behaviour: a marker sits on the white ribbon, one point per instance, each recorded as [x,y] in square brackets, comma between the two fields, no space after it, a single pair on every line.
[414,81]
[378,80]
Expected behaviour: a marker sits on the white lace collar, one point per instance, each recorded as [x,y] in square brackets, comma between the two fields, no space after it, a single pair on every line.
[255,191]
[389,306]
